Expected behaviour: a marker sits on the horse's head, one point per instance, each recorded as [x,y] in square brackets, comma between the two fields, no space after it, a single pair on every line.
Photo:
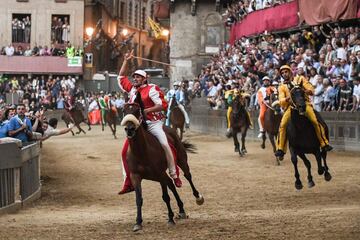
[274,102]
[298,99]
[238,103]
[133,116]
[173,102]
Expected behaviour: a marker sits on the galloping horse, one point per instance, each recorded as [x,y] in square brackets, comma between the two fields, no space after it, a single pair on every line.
[146,160]
[76,116]
[302,138]
[239,123]
[177,118]
[272,121]
[110,119]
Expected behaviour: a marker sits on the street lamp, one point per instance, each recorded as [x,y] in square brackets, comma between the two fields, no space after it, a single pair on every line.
[89,32]
[124,32]
[165,32]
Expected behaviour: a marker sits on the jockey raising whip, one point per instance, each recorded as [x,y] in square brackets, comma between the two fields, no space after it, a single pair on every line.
[154,102]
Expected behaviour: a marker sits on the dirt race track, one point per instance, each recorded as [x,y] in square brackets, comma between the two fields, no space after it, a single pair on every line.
[245,198]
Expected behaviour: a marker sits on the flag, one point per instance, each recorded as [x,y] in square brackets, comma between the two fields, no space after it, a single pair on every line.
[155,27]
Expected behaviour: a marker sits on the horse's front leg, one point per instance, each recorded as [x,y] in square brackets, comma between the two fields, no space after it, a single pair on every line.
[136,181]
[243,136]
[327,175]
[236,141]
[294,160]
[182,214]
[263,140]
[166,198]
[308,167]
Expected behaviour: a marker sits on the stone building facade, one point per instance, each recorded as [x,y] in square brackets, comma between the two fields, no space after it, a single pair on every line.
[41,13]
[197,30]
[117,15]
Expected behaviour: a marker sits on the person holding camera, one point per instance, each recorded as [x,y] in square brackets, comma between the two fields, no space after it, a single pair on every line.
[20,126]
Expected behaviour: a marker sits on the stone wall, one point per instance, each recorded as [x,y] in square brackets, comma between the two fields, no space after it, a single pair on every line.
[193,39]
[41,14]
[344,128]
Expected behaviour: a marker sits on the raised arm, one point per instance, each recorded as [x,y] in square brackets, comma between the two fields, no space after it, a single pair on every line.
[128,56]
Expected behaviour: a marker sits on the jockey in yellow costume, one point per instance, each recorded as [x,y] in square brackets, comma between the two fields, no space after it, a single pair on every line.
[285,103]
[230,96]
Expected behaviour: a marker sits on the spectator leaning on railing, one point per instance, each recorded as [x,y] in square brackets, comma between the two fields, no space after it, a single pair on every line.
[20,126]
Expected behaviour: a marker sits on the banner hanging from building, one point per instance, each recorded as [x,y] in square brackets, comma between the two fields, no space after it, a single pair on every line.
[74,61]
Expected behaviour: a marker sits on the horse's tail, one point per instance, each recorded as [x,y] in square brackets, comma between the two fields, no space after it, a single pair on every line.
[189,147]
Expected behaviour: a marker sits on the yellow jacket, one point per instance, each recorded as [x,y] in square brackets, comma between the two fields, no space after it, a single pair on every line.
[284,91]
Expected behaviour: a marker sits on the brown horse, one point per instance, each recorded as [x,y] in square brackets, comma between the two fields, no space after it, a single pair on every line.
[177,118]
[111,119]
[76,116]
[272,122]
[239,123]
[146,160]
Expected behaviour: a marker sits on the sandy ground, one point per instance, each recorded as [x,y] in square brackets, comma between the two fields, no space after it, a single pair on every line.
[245,198]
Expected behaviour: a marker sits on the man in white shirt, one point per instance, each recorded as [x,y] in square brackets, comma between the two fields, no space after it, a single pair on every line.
[356,94]
[9,50]
[50,129]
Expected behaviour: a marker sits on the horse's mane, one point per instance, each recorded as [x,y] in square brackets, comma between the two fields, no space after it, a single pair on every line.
[142,107]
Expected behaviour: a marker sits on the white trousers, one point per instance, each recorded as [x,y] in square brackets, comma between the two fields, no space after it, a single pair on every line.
[182,108]
[156,129]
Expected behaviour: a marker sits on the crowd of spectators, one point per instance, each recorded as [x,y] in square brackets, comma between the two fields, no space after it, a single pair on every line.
[328,56]
[67,50]
[239,9]
[46,91]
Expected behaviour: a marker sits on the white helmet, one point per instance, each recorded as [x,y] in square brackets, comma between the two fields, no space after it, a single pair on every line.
[176,84]
[140,73]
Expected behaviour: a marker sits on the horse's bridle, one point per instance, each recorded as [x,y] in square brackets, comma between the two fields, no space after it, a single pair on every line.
[140,112]
[293,105]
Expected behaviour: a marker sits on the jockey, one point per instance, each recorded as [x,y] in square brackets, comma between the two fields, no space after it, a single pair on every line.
[180,99]
[285,102]
[69,102]
[103,106]
[169,97]
[261,97]
[154,104]
[235,92]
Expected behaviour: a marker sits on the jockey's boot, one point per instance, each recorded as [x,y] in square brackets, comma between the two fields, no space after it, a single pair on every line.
[327,148]
[280,154]
[127,187]
[177,182]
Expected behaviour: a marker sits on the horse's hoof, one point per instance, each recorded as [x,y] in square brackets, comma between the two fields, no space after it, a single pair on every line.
[328,176]
[280,158]
[244,151]
[137,227]
[262,146]
[241,154]
[236,150]
[200,200]
[182,216]
[171,223]
[298,186]
[311,184]
[321,171]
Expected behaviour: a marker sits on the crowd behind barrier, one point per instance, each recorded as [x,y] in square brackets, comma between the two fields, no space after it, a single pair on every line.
[328,56]
[237,11]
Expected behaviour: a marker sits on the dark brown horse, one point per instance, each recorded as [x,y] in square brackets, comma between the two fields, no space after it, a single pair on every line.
[146,160]
[303,140]
[239,123]
[76,116]
[177,118]
[110,118]
[272,121]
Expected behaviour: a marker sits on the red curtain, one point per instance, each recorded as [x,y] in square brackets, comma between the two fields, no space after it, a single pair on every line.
[271,19]
[321,11]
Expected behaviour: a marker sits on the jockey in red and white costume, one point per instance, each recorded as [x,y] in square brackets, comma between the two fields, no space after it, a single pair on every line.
[154,104]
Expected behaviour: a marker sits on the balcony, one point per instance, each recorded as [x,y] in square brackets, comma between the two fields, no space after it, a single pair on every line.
[39,65]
